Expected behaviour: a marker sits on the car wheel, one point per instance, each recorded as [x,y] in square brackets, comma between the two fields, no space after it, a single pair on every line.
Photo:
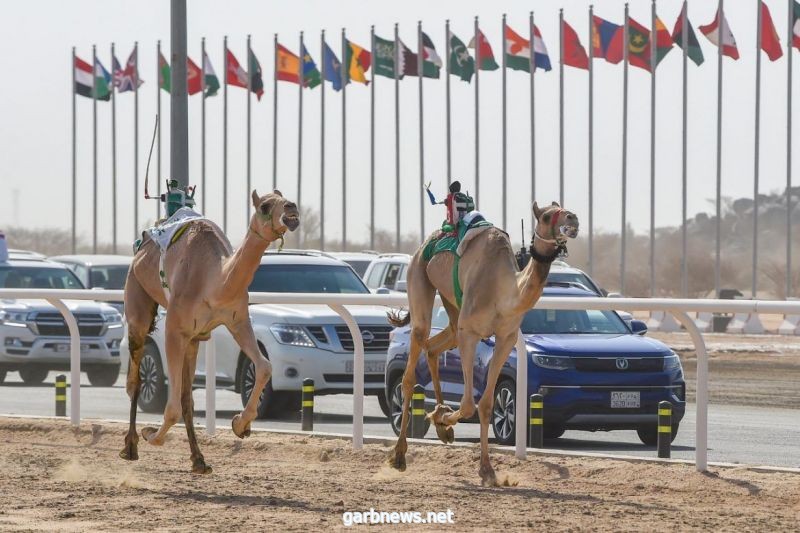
[153,388]
[504,412]
[103,377]
[2,376]
[270,404]
[553,432]
[385,408]
[396,408]
[33,375]
[649,435]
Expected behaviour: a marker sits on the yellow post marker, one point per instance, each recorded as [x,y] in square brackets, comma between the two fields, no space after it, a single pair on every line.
[664,429]
[61,395]
[536,422]
[307,412]
[418,412]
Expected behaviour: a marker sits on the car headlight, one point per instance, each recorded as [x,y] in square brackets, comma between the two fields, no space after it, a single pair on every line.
[113,319]
[553,362]
[293,335]
[14,318]
[672,362]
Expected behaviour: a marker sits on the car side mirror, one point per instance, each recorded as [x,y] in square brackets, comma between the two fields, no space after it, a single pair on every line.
[603,292]
[382,290]
[401,286]
[638,327]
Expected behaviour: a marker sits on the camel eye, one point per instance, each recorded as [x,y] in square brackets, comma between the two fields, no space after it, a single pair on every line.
[264,208]
[546,218]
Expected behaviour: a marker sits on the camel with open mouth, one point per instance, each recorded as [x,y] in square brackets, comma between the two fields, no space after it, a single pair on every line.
[496,296]
[202,283]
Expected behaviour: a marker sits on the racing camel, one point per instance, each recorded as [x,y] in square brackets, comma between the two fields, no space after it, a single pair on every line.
[202,283]
[496,296]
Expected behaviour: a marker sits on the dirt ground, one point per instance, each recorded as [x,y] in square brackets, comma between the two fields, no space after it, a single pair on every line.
[53,478]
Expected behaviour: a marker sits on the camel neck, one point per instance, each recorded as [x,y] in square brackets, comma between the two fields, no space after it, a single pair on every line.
[531,281]
[242,265]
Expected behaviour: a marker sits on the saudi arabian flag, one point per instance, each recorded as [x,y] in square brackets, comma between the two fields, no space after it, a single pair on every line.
[461,63]
[384,57]
[210,77]
[164,76]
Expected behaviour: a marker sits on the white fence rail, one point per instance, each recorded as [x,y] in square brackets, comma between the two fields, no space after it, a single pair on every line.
[338,302]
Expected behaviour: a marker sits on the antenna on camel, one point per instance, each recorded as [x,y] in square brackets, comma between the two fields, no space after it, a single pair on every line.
[149,157]
[522,256]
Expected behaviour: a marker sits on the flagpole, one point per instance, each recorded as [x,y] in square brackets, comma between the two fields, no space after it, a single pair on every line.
[203,125]
[344,73]
[789,38]
[684,135]
[591,140]
[505,154]
[113,156]
[322,147]
[653,46]
[477,113]
[372,142]
[447,100]
[275,114]
[625,41]
[94,149]
[74,159]
[397,137]
[225,139]
[718,225]
[158,127]
[136,139]
[420,72]
[532,66]
[249,90]
[301,80]
[756,152]
[561,106]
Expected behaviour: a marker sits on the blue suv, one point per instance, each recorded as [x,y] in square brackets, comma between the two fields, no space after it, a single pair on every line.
[595,371]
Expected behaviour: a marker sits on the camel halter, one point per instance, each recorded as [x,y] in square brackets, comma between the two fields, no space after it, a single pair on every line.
[272,227]
[560,243]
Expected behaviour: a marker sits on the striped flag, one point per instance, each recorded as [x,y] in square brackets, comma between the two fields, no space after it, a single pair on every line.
[727,42]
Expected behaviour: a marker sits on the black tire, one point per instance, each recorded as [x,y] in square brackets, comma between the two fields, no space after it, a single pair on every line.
[103,377]
[33,375]
[504,412]
[396,408]
[270,404]
[553,432]
[649,435]
[385,408]
[2,376]
[153,387]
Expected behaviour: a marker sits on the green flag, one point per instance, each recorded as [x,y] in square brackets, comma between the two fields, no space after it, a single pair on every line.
[210,77]
[694,52]
[461,63]
[163,73]
[384,57]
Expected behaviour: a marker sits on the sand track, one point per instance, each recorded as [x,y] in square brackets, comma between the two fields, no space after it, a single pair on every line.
[55,478]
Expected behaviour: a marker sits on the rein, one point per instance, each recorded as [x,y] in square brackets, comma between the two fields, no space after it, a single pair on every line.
[560,244]
[274,231]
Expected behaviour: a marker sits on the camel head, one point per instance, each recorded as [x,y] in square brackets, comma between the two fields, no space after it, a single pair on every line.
[555,225]
[273,215]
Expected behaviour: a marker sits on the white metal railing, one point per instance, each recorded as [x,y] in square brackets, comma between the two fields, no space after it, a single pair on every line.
[338,302]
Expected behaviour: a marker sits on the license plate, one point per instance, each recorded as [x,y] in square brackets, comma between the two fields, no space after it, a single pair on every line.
[370,367]
[625,400]
[64,347]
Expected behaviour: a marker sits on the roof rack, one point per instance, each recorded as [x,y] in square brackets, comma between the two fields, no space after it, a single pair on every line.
[297,251]
[393,254]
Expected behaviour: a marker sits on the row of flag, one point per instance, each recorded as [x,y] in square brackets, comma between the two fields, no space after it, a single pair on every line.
[394,58]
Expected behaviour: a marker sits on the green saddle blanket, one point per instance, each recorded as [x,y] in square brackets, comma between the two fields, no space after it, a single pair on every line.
[449,242]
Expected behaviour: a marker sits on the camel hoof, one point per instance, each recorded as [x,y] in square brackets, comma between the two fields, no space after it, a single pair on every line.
[148,434]
[398,461]
[129,452]
[243,432]
[438,414]
[488,477]
[445,433]
[199,466]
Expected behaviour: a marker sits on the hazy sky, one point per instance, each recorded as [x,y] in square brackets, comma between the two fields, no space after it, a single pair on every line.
[35,140]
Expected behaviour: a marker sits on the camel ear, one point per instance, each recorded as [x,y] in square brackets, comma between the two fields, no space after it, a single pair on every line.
[536,211]
[277,192]
[256,199]
[555,204]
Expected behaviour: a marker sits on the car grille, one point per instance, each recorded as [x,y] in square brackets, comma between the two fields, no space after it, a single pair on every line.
[318,332]
[380,335]
[348,378]
[597,364]
[52,324]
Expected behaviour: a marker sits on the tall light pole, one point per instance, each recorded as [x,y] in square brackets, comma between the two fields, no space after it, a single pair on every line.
[179,116]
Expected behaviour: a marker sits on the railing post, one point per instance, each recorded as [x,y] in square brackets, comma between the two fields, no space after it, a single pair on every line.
[211,385]
[522,396]
[358,374]
[74,360]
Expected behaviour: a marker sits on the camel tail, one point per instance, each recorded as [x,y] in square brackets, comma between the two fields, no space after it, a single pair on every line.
[396,318]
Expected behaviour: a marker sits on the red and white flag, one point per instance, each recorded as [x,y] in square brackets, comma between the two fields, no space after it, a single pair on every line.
[236,75]
[770,42]
[715,29]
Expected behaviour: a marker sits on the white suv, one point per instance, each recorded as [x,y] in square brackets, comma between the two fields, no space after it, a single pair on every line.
[301,341]
[34,338]
[385,271]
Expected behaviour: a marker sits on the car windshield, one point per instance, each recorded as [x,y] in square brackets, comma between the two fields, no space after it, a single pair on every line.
[572,277]
[31,277]
[359,265]
[307,278]
[569,321]
[108,277]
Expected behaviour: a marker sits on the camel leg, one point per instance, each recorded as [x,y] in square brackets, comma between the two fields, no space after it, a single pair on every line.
[466,347]
[398,458]
[501,352]
[444,340]
[140,310]
[242,333]
[199,465]
[176,344]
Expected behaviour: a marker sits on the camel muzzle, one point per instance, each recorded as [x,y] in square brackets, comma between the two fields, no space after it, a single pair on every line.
[569,231]
[290,221]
